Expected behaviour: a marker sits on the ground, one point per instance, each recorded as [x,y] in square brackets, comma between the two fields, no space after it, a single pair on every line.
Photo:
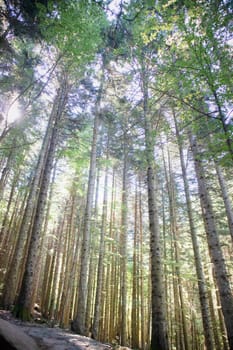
[54,338]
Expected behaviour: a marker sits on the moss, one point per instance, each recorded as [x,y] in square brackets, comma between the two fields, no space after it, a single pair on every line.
[21,312]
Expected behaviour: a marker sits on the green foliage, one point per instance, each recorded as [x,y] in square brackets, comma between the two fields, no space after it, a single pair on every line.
[185,61]
[77,151]
[75,29]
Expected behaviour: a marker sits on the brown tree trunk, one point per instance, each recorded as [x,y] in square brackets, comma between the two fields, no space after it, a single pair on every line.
[203,296]
[226,199]
[100,272]
[26,297]
[159,337]
[71,259]
[123,250]
[217,258]
[135,277]
[78,324]
[92,265]
[21,252]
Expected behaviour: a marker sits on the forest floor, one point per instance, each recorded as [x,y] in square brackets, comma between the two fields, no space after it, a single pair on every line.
[55,338]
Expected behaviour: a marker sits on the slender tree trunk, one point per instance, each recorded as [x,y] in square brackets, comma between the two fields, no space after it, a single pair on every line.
[26,297]
[64,267]
[48,277]
[113,290]
[4,225]
[99,285]
[43,244]
[226,199]
[92,265]
[159,327]
[13,279]
[221,322]
[176,239]
[68,262]
[159,338]
[123,249]
[203,296]
[225,293]
[6,169]
[111,278]
[78,324]
[135,277]
[144,320]
[224,125]
[52,305]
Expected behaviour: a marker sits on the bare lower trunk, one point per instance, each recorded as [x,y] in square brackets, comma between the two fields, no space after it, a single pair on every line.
[78,324]
[226,297]
[226,199]
[159,336]
[13,283]
[203,296]
[123,251]
[26,295]
[100,273]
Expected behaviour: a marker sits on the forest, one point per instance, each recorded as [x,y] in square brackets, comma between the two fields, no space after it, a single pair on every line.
[116,160]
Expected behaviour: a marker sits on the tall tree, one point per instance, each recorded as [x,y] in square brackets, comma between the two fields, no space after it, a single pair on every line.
[123,243]
[78,324]
[206,319]
[17,266]
[159,338]
[100,272]
[25,300]
[216,254]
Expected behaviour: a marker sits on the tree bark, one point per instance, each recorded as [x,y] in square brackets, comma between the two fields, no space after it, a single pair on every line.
[13,283]
[159,337]
[226,199]
[26,297]
[123,249]
[135,332]
[99,284]
[92,265]
[78,324]
[216,255]
[203,295]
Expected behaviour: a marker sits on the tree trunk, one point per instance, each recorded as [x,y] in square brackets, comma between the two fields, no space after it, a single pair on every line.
[135,277]
[123,249]
[203,296]
[159,326]
[159,338]
[25,227]
[6,169]
[69,254]
[99,284]
[226,297]
[26,297]
[226,199]
[78,324]
[144,319]
[92,265]
[227,132]
[52,305]
[4,225]
[113,280]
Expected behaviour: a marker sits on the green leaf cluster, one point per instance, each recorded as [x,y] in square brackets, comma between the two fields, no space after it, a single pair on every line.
[75,28]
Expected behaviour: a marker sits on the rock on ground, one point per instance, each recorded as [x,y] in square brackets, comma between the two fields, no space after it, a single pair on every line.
[13,338]
[50,338]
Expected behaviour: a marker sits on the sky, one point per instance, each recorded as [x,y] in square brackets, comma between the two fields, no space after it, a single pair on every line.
[114,8]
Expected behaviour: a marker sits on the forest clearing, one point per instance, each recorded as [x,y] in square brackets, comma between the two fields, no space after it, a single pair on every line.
[116,185]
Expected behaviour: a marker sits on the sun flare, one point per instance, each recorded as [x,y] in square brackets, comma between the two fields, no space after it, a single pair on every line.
[13,113]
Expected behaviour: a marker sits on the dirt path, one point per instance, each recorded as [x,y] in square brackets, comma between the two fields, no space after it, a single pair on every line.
[54,338]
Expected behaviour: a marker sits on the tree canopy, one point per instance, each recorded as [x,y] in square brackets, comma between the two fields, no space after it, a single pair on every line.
[116,157]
